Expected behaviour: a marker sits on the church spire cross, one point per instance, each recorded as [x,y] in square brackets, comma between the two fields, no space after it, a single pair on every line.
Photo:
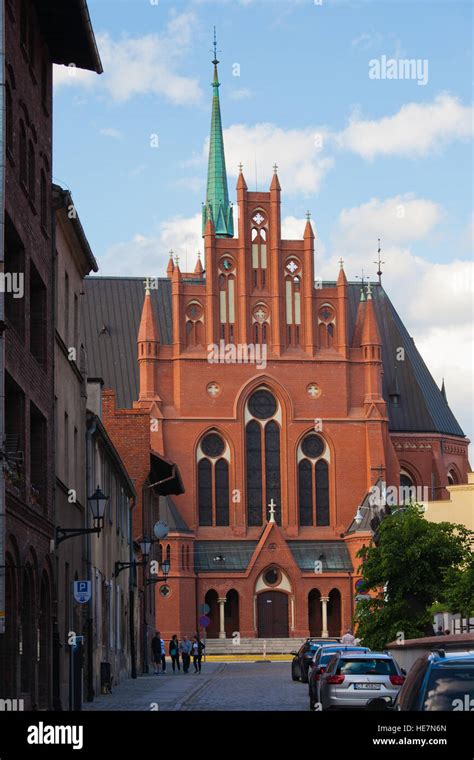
[341,263]
[271,511]
[217,206]
[275,168]
[241,166]
[308,215]
[379,263]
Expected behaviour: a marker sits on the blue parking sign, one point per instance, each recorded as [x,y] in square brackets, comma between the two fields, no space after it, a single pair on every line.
[82,591]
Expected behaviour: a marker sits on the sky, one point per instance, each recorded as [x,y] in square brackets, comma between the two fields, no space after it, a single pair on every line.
[371,147]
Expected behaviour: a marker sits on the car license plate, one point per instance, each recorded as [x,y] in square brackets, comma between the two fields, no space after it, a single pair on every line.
[374,686]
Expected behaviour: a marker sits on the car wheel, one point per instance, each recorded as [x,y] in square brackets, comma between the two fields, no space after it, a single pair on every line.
[304,674]
[293,674]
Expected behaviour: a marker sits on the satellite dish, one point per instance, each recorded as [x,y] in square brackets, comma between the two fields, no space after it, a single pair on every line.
[161,530]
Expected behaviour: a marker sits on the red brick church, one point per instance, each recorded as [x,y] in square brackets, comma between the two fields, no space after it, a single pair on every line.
[255,406]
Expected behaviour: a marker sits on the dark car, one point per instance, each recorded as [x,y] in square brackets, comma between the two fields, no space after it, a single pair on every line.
[437,681]
[320,661]
[303,657]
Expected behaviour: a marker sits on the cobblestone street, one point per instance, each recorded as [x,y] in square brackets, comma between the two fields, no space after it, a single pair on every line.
[221,686]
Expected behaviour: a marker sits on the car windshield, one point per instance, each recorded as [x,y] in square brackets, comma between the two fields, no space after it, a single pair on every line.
[450,687]
[369,667]
[314,647]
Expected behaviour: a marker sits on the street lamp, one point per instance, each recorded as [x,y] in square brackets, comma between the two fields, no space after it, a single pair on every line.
[145,545]
[97,503]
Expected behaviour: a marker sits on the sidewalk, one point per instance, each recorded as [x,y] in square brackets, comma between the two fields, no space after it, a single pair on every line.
[151,693]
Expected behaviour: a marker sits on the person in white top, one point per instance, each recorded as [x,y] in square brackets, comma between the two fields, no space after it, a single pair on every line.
[348,639]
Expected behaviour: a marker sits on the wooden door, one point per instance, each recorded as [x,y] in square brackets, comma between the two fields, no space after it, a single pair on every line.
[272,615]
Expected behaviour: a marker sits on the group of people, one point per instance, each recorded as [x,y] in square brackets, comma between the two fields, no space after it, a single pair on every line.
[182,650]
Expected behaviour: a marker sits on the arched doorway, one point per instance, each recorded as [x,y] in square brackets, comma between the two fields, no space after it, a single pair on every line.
[212,631]
[28,636]
[44,665]
[231,612]
[8,642]
[334,613]
[314,612]
[272,615]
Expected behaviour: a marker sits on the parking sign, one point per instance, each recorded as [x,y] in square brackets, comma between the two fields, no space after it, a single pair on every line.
[82,591]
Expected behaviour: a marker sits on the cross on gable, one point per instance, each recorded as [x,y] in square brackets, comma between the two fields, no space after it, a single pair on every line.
[213,389]
[312,390]
[272,506]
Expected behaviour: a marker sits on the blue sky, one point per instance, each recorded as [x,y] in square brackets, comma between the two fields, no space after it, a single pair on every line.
[368,157]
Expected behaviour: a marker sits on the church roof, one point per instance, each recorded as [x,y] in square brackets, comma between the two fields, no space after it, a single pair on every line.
[333,555]
[112,308]
[170,514]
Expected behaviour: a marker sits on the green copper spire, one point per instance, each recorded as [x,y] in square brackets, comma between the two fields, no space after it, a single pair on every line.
[217,205]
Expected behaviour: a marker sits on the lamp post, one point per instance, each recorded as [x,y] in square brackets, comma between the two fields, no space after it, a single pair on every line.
[97,503]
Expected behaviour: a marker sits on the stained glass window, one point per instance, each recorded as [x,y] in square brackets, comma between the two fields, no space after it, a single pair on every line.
[272,467]
[305,492]
[322,493]
[254,473]
[262,405]
[221,474]
[205,492]
[212,445]
[312,446]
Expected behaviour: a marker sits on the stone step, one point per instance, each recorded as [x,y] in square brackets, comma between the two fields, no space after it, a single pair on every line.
[252,646]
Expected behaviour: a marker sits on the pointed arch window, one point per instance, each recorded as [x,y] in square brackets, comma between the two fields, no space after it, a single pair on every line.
[313,481]
[227,285]
[263,457]
[213,457]
[293,301]
[259,235]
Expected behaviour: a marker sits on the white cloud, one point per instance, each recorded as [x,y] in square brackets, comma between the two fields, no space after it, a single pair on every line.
[141,65]
[240,94]
[115,134]
[415,130]
[401,218]
[298,152]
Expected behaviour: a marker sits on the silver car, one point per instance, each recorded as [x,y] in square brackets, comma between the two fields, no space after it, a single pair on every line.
[352,678]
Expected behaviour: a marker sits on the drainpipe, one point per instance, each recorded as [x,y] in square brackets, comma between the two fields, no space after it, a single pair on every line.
[2,320]
[131,593]
[90,460]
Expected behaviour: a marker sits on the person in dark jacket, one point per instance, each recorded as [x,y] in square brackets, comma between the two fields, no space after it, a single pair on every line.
[197,649]
[174,653]
[156,652]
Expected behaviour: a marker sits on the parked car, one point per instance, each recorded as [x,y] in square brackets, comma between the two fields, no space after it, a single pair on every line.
[304,655]
[352,678]
[437,681]
[320,661]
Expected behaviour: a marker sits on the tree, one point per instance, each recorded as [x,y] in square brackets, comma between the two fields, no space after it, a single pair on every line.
[407,570]
[458,591]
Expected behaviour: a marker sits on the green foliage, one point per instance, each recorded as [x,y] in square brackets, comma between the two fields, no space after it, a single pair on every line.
[415,562]
[458,592]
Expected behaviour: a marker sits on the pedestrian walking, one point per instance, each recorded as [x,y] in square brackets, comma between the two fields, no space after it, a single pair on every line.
[197,649]
[185,652]
[439,631]
[156,652]
[348,639]
[162,653]
[174,653]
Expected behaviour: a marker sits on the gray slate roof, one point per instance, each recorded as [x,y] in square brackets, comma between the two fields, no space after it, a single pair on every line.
[333,555]
[234,556]
[170,515]
[115,304]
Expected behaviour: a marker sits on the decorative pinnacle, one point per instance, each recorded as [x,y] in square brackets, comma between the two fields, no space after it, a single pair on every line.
[275,168]
[341,263]
[369,291]
[308,215]
[176,260]
[241,166]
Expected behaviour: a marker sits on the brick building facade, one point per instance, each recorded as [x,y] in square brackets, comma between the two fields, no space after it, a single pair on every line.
[282,400]
[36,36]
